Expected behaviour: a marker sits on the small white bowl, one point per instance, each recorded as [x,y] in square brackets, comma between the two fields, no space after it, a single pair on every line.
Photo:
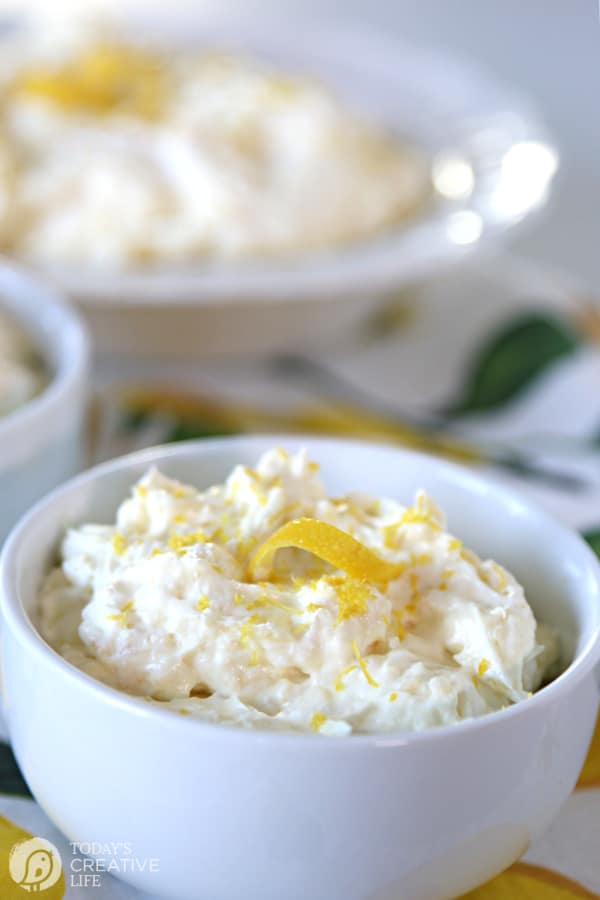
[230,813]
[41,442]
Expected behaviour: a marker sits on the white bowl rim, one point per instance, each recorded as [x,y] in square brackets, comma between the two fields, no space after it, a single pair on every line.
[70,371]
[376,263]
[13,612]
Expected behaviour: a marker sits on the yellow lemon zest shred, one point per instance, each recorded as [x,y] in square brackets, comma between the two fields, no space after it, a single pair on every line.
[420,559]
[338,680]
[203,603]
[393,696]
[399,627]
[446,574]
[119,544]
[352,596]
[483,666]
[121,616]
[181,541]
[268,601]
[317,721]
[363,665]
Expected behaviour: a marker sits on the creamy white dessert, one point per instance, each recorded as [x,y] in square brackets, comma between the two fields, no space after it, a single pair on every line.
[21,372]
[205,603]
[119,156]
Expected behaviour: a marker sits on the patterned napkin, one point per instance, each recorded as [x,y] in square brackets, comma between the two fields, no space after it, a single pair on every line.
[497,366]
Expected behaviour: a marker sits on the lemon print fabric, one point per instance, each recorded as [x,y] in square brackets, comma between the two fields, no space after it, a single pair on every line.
[526,882]
[590,774]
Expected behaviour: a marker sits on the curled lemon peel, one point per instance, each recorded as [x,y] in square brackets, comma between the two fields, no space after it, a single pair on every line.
[331,545]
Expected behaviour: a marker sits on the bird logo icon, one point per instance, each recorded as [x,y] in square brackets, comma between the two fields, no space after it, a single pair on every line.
[34,865]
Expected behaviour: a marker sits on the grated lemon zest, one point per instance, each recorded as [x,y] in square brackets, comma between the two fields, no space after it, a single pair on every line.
[483,666]
[203,603]
[399,629]
[363,665]
[420,559]
[338,682]
[446,574]
[182,541]
[352,596]
[317,721]
[121,616]
[268,601]
[393,696]
[119,544]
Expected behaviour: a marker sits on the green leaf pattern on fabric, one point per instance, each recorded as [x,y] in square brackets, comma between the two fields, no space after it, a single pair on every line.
[512,359]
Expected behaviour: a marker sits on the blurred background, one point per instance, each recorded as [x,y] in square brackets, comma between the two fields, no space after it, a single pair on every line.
[548,49]
[468,325]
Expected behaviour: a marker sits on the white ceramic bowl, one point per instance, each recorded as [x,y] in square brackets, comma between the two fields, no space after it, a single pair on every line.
[469,127]
[41,442]
[231,813]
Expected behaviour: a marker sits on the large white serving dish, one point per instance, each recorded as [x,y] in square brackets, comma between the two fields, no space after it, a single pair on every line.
[491,164]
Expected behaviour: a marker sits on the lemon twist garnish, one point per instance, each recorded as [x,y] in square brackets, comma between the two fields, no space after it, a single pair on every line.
[363,665]
[331,545]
